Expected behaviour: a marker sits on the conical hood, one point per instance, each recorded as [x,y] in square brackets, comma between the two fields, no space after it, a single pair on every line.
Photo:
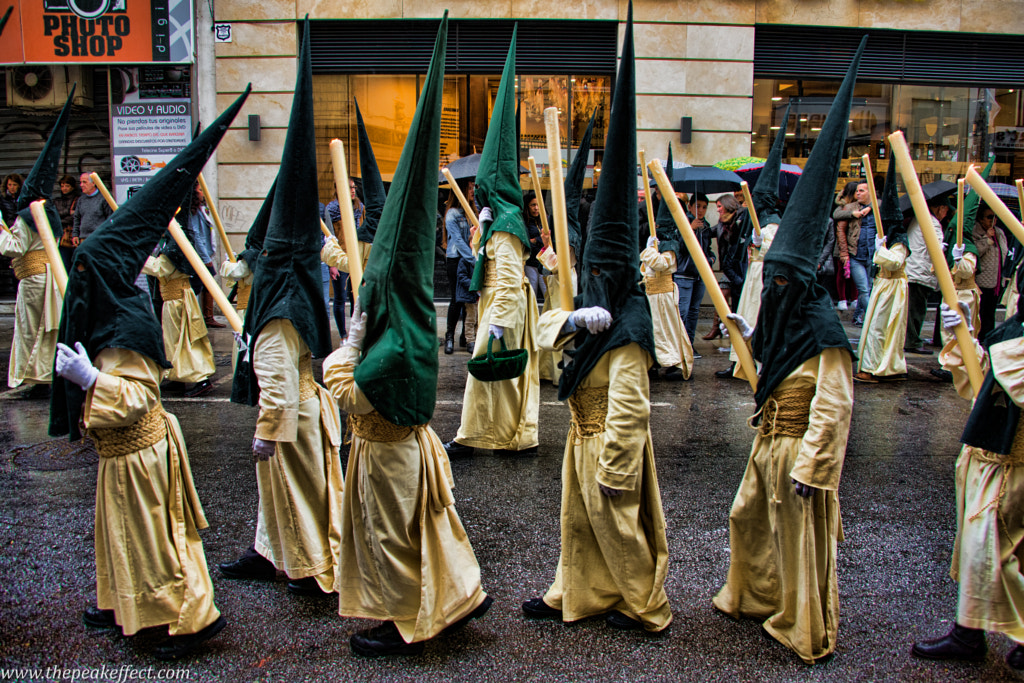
[258,231]
[497,178]
[889,208]
[398,372]
[41,179]
[765,192]
[610,275]
[373,184]
[573,185]
[287,284]
[796,320]
[668,233]
[102,306]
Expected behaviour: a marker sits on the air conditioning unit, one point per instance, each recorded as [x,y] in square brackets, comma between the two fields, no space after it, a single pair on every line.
[40,86]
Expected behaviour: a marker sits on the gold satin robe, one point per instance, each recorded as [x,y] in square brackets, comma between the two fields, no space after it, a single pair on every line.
[298,523]
[186,340]
[782,565]
[37,311]
[548,360]
[885,323]
[240,273]
[150,565]
[404,553]
[671,343]
[749,305]
[966,292]
[614,551]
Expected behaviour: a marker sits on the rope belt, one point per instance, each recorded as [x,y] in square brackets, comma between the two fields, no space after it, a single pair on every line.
[32,263]
[307,385]
[490,274]
[373,427]
[115,441]
[173,290]
[659,284]
[787,413]
[965,284]
[589,407]
[1012,459]
[892,274]
[242,296]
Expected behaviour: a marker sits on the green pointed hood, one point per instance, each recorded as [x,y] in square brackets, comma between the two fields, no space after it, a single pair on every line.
[41,179]
[102,306]
[972,201]
[796,320]
[765,192]
[889,209]
[573,185]
[398,371]
[610,274]
[258,231]
[668,233]
[497,179]
[287,284]
[373,184]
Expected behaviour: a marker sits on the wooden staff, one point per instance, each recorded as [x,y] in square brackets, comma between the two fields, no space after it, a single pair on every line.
[706,274]
[200,268]
[325,230]
[466,208]
[545,229]
[216,218]
[348,218]
[647,195]
[558,206]
[1020,194]
[60,276]
[95,178]
[995,203]
[751,211]
[960,212]
[875,208]
[905,166]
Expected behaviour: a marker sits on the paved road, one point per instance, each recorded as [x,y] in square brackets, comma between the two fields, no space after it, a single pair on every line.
[898,517]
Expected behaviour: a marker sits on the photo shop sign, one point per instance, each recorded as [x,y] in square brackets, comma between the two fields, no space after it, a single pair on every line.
[97,31]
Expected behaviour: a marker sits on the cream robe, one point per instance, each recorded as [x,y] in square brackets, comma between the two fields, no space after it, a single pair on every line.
[750,296]
[150,565]
[36,313]
[885,322]
[232,273]
[186,340]
[548,360]
[782,566]
[1011,295]
[503,415]
[298,524]
[614,553]
[963,275]
[989,542]
[671,343]
[404,553]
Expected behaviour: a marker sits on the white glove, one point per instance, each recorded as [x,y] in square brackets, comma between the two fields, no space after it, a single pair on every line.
[595,319]
[76,367]
[879,242]
[356,328]
[746,331]
[757,239]
[951,318]
[331,238]
[652,241]
[485,215]
[497,331]
[262,450]
[958,252]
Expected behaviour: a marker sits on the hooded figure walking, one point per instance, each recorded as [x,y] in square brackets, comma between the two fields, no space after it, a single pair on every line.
[614,552]
[784,525]
[150,566]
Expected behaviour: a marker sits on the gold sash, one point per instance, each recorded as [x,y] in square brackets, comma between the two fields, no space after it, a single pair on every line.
[307,385]
[892,274]
[114,441]
[173,290]
[32,263]
[242,296]
[787,413]
[659,284]
[373,427]
[589,407]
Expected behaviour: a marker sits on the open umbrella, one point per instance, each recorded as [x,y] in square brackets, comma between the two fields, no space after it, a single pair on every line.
[788,176]
[737,162]
[675,164]
[466,167]
[705,179]
[934,190]
[1008,193]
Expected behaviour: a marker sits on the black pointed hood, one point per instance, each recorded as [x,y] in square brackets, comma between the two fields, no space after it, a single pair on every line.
[43,176]
[889,209]
[102,306]
[573,185]
[373,184]
[668,232]
[610,274]
[258,231]
[765,192]
[796,320]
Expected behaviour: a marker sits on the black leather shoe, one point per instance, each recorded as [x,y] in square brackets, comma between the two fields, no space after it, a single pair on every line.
[538,609]
[964,644]
[673,374]
[920,350]
[176,647]
[726,373]
[250,565]
[462,340]
[199,389]
[172,387]
[307,587]
[530,452]
[449,344]
[480,610]
[94,617]
[620,621]
[944,375]
[455,450]
[1016,658]
[382,641]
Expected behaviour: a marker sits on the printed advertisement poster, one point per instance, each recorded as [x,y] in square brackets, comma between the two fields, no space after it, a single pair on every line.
[101,31]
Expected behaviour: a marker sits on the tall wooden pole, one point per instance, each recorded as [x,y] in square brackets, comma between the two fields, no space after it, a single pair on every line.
[60,276]
[535,177]
[216,219]
[875,208]
[348,218]
[558,207]
[647,195]
[749,201]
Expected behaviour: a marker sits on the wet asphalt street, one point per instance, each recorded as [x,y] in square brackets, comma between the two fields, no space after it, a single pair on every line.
[898,515]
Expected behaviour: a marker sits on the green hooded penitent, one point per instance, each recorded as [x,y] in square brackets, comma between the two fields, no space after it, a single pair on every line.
[796,320]
[765,192]
[398,371]
[497,178]
[41,179]
[373,184]
[889,208]
[668,234]
[287,284]
[102,306]
[972,201]
[573,185]
[610,274]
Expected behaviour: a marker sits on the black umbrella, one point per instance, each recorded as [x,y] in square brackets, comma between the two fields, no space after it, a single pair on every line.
[934,190]
[705,179]
[466,167]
